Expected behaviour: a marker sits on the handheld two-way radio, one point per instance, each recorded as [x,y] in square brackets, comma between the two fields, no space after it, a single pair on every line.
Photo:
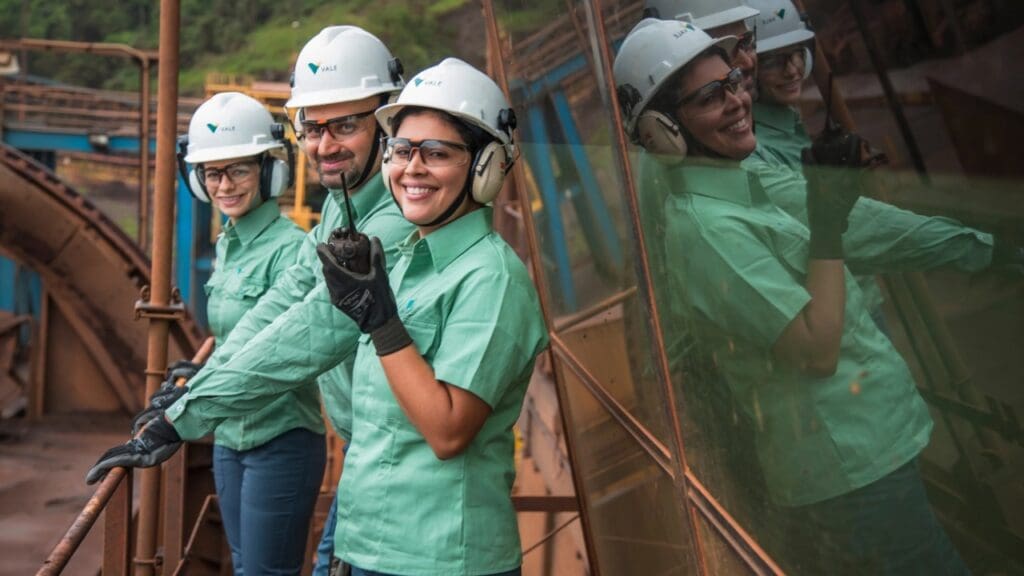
[350,247]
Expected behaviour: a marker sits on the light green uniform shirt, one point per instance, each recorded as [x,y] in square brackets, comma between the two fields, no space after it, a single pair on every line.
[780,135]
[472,311]
[251,254]
[741,279]
[293,336]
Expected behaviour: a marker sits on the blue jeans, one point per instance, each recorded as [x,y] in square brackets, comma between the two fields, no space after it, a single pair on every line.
[325,550]
[267,496]
[884,528]
[356,571]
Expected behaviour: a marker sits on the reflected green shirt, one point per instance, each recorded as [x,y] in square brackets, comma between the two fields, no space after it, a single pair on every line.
[251,254]
[780,135]
[472,311]
[293,336]
[741,279]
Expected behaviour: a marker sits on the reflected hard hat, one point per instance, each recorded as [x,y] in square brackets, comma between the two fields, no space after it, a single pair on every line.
[229,125]
[343,64]
[651,53]
[778,25]
[704,14]
[461,90]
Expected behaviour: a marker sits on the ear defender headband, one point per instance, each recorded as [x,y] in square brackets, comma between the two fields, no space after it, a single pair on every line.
[276,175]
[491,163]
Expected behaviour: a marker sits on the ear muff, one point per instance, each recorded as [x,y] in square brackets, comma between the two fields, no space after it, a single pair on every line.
[661,135]
[192,182]
[488,172]
[808,62]
[275,175]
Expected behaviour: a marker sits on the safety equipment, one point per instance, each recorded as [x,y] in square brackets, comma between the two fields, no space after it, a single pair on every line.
[157,442]
[232,125]
[652,52]
[366,298]
[343,64]
[168,393]
[834,169]
[780,24]
[704,14]
[461,90]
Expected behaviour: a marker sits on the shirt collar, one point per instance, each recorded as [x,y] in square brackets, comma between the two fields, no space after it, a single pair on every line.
[778,116]
[726,182]
[363,199]
[447,243]
[248,227]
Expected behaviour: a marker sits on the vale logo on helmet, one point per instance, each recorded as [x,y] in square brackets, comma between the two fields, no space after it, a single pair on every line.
[316,67]
[213,128]
[775,16]
[418,81]
[687,27]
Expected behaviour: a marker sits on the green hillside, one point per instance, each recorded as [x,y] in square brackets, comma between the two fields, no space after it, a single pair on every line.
[260,38]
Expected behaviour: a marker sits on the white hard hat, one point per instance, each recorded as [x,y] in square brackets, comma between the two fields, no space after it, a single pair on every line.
[704,14]
[651,53]
[343,64]
[778,25]
[229,125]
[461,90]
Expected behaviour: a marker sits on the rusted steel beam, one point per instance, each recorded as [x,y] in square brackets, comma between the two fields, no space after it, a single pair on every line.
[72,539]
[117,522]
[160,288]
[567,322]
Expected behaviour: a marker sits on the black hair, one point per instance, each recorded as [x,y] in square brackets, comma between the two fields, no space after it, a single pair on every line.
[472,136]
[667,98]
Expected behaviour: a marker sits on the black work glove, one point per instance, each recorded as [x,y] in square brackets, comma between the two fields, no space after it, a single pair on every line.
[1007,256]
[366,298]
[168,393]
[834,168]
[350,249]
[157,442]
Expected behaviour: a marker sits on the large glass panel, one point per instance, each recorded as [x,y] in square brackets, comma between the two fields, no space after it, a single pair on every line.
[848,367]
[637,517]
[575,184]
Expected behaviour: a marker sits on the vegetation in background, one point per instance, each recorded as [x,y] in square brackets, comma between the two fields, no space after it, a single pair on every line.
[259,38]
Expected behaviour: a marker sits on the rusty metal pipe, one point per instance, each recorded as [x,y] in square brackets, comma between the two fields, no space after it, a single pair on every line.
[160,290]
[143,216]
[62,552]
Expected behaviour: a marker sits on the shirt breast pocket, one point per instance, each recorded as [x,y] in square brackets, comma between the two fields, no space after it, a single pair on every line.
[243,287]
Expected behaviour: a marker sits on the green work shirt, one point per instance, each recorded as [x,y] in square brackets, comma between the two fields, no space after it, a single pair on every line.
[293,336]
[780,135]
[473,313]
[741,280]
[251,254]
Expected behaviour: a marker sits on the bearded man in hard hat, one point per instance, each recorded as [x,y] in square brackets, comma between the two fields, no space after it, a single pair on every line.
[292,337]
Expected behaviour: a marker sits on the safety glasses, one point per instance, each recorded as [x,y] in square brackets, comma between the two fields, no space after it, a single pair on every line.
[433,153]
[341,128]
[780,59]
[237,172]
[711,97]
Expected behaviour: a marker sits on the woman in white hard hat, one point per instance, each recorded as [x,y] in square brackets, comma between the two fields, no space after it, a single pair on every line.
[267,466]
[839,423]
[448,347]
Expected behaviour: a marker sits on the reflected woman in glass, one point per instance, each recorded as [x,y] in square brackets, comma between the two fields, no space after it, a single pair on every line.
[448,347]
[837,418]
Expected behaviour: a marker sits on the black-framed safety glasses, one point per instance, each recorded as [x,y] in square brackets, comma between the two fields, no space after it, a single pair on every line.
[433,153]
[711,96]
[237,172]
[340,128]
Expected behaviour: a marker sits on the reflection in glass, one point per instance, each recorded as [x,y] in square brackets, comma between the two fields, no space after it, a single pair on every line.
[636,515]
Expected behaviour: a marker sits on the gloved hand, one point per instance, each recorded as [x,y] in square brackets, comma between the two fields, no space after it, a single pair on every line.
[157,442]
[1007,256]
[833,167]
[366,298]
[168,393]
[350,249]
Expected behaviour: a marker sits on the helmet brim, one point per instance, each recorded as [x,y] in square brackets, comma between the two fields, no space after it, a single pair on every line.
[784,40]
[724,17]
[229,152]
[324,97]
[385,114]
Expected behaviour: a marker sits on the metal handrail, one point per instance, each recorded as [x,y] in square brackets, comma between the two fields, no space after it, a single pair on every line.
[80,527]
